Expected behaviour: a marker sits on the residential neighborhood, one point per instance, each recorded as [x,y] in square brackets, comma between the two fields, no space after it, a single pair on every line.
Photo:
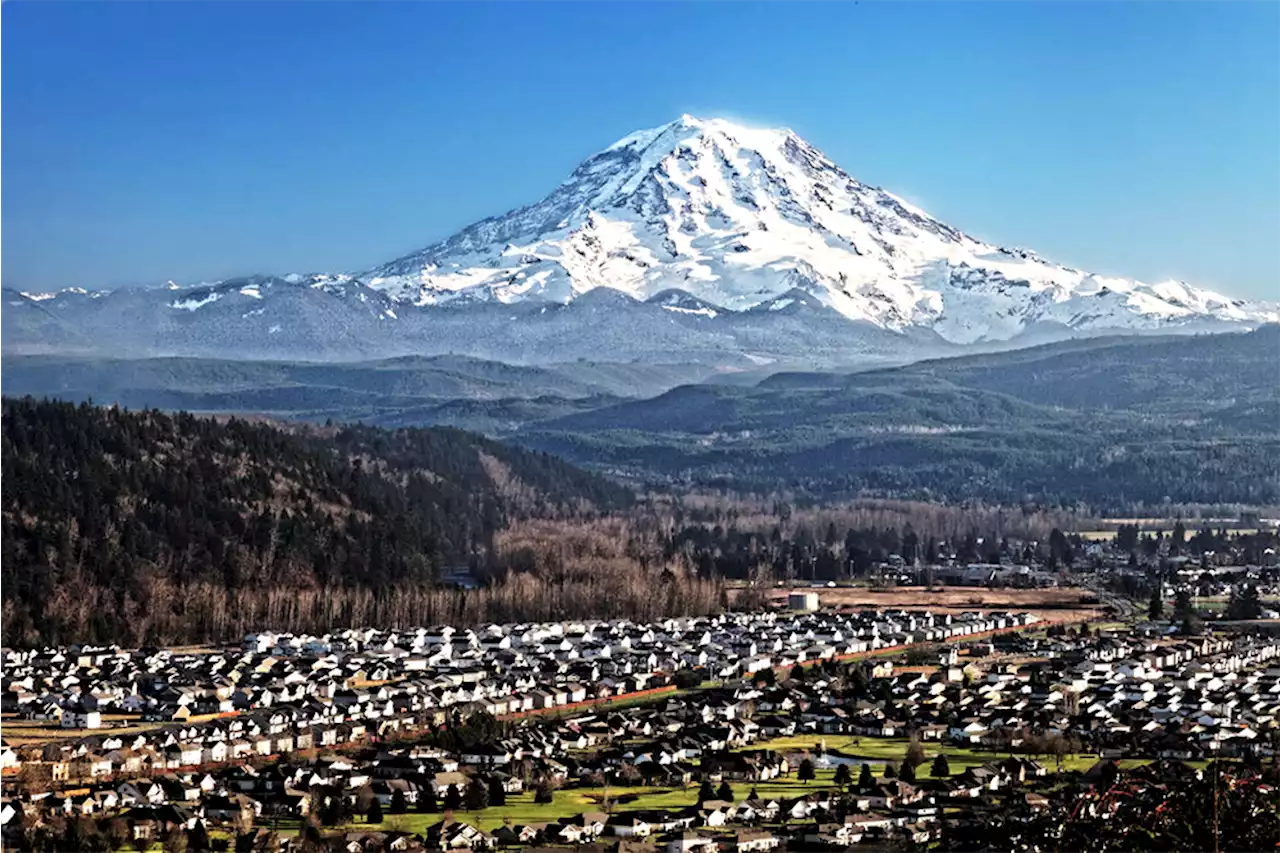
[745,731]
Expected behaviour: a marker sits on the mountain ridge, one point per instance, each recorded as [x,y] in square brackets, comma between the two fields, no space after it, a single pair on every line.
[1112,422]
[699,241]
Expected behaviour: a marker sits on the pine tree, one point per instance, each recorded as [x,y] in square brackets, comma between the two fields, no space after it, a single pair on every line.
[1109,775]
[330,812]
[1060,551]
[399,803]
[427,800]
[890,772]
[374,814]
[941,767]
[1252,602]
[842,776]
[866,781]
[805,772]
[477,796]
[724,792]
[1184,612]
[705,791]
[1244,603]
[497,792]
[908,772]
[198,837]
[1155,608]
[452,798]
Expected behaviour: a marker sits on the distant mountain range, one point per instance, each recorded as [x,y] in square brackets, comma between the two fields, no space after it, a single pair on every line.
[1112,421]
[699,243]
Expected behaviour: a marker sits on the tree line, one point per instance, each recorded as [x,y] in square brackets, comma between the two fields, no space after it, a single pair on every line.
[145,527]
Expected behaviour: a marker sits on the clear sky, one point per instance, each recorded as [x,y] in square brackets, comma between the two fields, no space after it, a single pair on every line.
[143,142]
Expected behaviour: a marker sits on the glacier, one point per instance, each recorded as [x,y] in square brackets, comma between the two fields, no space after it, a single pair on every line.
[738,216]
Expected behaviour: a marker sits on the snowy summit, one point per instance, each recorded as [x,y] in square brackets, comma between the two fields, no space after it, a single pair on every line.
[699,242]
[739,218]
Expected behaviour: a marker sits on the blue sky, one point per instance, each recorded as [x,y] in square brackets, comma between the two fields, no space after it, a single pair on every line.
[143,142]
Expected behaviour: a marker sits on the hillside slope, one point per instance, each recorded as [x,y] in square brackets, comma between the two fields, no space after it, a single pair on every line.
[124,507]
[1185,376]
[1109,422]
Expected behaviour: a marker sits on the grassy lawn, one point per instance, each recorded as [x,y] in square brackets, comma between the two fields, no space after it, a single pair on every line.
[1219,602]
[780,788]
[521,809]
[895,749]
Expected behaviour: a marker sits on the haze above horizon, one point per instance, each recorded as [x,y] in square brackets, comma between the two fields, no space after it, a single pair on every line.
[193,141]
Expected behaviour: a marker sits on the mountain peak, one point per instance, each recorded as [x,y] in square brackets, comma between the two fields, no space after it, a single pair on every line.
[686,241]
[687,127]
[736,216]
[711,206]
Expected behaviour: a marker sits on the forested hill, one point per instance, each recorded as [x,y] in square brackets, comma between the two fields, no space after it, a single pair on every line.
[1117,423]
[105,509]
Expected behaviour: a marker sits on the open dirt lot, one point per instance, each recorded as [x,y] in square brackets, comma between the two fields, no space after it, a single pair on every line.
[19,732]
[1055,605]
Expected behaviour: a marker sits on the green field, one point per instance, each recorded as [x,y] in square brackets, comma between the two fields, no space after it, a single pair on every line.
[1219,602]
[520,808]
[895,749]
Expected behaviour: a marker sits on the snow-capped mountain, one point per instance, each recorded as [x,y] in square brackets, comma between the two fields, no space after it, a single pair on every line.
[700,242]
[736,217]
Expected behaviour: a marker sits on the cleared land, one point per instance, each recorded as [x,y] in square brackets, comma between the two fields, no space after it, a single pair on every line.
[1057,604]
[19,733]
